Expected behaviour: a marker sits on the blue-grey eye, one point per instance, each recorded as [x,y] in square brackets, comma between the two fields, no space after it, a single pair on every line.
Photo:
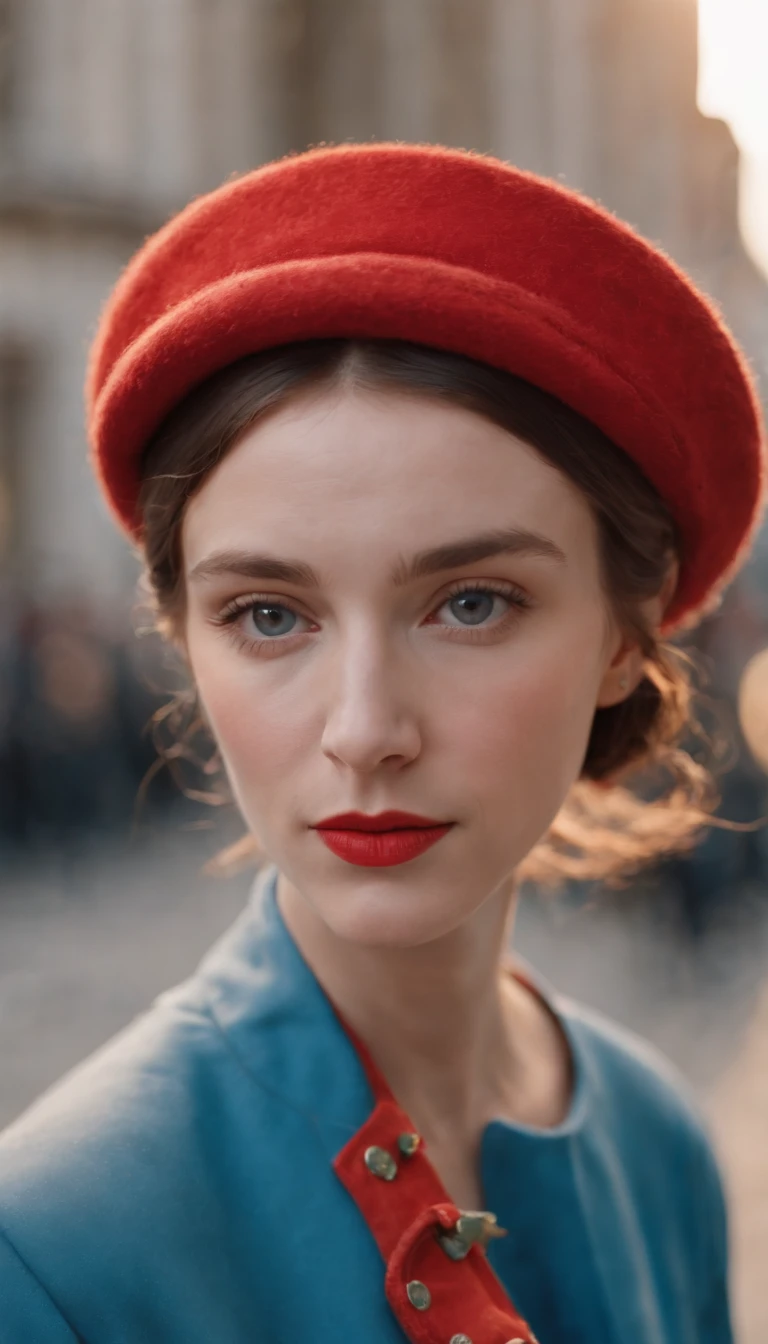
[473,606]
[273,619]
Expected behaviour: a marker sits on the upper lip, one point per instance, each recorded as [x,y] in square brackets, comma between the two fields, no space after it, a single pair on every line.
[382,821]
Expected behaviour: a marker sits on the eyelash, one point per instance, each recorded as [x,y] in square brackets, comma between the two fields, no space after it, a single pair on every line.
[229,617]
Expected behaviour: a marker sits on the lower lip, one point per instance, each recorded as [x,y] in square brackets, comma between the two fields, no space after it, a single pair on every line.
[382,849]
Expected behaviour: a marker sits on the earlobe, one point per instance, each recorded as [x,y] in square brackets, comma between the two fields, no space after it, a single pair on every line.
[608,698]
[615,688]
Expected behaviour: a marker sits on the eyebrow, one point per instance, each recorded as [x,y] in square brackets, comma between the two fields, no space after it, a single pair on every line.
[451,555]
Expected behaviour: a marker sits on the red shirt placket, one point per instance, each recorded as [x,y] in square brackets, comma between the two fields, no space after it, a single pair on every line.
[438,1281]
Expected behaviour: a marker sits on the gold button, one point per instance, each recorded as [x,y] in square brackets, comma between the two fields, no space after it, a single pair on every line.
[381,1163]
[408,1143]
[482,1227]
[419,1295]
[470,1228]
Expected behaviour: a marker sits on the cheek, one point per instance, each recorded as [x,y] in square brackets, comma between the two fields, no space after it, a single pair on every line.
[528,730]
[260,732]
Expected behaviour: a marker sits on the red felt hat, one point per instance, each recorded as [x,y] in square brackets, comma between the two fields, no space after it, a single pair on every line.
[462,252]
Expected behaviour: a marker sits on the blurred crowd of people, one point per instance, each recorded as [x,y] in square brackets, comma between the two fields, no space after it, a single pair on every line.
[728,866]
[76,700]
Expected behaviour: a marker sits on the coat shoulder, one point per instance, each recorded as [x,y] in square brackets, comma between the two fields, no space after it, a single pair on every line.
[105,1125]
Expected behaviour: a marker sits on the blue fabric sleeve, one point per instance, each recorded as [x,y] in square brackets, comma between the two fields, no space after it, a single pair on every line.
[26,1311]
[714,1310]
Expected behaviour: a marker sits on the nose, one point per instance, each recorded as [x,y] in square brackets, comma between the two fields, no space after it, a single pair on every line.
[372,719]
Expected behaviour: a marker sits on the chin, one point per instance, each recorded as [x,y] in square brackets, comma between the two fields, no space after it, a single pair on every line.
[376,915]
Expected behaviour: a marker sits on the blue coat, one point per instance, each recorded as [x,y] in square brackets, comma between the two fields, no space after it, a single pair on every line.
[179,1186]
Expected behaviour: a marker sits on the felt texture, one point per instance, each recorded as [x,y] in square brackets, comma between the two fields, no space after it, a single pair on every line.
[405,1217]
[465,253]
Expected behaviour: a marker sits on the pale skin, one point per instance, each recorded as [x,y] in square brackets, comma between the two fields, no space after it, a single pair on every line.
[367,690]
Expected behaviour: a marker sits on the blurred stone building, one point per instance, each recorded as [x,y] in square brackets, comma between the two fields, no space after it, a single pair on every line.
[113,113]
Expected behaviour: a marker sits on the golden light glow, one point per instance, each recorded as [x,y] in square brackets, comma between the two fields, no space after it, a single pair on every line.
[733,80]
[733,85]
[753,706]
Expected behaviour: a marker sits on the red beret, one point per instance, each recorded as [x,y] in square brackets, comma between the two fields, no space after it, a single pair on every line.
[459,251]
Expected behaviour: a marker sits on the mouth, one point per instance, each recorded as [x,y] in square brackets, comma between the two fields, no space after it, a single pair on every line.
[380,841]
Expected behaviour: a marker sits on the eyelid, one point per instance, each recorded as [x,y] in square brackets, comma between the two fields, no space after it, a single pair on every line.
[502,586]
[246,601]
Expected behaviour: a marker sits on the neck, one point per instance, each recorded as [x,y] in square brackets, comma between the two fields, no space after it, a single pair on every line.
[436,1017]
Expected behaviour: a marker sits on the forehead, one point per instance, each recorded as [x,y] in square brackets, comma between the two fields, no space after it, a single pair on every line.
[345,468]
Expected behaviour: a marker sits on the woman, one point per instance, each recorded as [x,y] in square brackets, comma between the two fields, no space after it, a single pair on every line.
[424,456]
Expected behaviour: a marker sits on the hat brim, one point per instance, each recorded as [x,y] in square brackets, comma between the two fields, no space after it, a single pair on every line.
[430,302]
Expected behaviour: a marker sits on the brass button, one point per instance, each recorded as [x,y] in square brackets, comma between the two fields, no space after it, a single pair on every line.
[419,1295]
[381,1163]
[408,1143]
[470,1227]
[460,1339]
[482,1227]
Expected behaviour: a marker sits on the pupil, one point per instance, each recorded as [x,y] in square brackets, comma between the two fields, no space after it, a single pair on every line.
[474,606]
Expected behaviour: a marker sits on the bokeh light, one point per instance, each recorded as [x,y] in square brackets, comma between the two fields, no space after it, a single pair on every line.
[753,706]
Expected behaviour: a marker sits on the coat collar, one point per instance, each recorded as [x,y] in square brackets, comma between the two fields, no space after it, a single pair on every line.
[280,1023]
[289,1037]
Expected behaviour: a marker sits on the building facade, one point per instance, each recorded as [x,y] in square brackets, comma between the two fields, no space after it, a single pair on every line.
[113,113]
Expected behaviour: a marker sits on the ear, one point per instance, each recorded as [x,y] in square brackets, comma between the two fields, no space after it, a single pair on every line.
[625,670]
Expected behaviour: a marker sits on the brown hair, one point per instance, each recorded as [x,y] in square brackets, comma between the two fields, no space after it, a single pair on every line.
[604,830]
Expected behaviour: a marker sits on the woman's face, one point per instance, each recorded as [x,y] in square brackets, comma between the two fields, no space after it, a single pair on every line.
[381,671]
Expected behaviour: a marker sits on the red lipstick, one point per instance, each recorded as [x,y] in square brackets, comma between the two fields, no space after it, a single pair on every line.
[382,840]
